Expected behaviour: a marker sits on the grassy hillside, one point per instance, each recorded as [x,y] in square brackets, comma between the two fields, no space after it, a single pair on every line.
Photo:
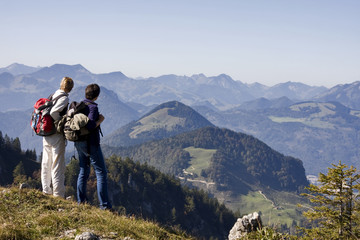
[313,114]
[200,159]
[28,214]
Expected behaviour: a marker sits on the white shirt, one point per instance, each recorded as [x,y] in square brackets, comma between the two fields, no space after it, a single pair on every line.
[60,104]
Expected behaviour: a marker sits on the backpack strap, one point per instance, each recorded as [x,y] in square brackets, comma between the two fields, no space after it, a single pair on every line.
[55,99]
[100,131]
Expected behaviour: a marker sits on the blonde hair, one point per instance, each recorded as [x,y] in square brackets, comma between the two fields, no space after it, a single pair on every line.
[66,84]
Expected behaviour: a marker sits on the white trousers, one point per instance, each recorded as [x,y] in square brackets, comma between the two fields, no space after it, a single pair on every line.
[53,165]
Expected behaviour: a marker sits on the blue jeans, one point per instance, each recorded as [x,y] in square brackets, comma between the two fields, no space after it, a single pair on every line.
[96,159]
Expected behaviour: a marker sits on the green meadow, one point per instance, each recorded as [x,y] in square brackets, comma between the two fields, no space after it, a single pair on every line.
[200,159]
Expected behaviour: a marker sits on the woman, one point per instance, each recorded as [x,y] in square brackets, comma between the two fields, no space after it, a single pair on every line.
[53,158]
[90,152]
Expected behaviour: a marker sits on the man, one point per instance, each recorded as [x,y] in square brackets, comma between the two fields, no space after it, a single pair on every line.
[53,158]
[90,151]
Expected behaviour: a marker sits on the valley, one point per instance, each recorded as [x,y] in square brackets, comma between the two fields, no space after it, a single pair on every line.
[282,212]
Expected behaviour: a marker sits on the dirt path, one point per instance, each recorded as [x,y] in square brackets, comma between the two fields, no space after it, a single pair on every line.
[272,203]
[198,181]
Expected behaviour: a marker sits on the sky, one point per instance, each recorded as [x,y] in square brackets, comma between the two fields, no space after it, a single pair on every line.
[316,42]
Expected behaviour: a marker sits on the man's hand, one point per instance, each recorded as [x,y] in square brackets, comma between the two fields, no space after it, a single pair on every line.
[101,119]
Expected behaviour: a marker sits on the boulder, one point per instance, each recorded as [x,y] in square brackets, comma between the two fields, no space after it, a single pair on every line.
[244,225]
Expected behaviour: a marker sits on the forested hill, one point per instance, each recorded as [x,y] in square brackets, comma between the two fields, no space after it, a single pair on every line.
[141,190]
[11,157]
[233,161]
[166,120]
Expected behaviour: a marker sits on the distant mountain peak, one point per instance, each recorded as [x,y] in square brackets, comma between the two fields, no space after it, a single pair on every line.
[224,81]
[18,69]
[196,76]
[174,114]
[346,94]
[223,75]
[14,65]
[57,71]
[293,90]
[290,84]
[77,67]
[169,104]
[166,120]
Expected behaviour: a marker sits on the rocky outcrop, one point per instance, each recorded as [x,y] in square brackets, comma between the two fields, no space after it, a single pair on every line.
[244,225]
[87,236]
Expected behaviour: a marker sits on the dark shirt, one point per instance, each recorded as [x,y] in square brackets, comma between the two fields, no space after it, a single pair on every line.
[92,112]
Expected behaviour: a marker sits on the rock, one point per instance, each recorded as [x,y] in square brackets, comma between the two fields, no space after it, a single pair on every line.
[5,191]
[87,236]
[70,233]
[244,225]
[24,185]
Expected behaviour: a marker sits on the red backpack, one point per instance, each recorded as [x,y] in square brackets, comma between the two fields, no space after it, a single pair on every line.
[41,121]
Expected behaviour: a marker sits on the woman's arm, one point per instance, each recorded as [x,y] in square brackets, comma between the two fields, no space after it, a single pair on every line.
[59,106]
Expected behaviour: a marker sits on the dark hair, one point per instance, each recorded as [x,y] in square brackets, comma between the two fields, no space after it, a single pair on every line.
[92,91]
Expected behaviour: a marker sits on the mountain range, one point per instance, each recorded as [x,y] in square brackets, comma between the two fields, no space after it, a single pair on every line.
[220,91]
[250,108]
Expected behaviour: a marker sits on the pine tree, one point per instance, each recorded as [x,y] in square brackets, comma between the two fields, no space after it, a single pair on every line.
[336,207]
[16,144]
[19,173]
[190,204]
[71,175]
[7,141]
[2,141]
[173,215]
